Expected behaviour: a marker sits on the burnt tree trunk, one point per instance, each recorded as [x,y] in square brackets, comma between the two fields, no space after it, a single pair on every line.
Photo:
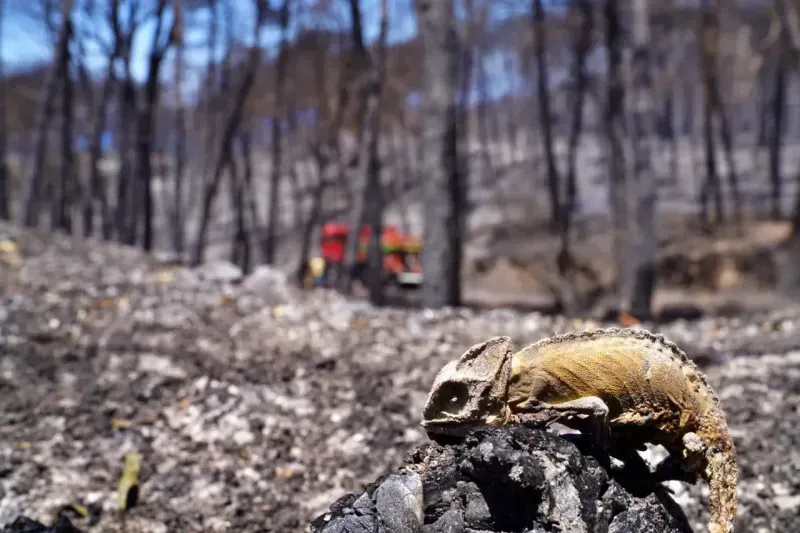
[209,110]
[466,64]
[273,218]
[545,110]
[368,193]
[483,119]
[5,204]
[776,137]
[371,165]
[314,215]
[583,43]
[126,210]
[788,13]
[638,288]
[324,147]
[33,184]
[615,132]
[363,75]
[61,218]
[240,249]
[231,124]
[146,124]
[95,191]
[177,218]
[712,185]
[726,133]
[444,189]
[245,144]
[511,129]
[294,177]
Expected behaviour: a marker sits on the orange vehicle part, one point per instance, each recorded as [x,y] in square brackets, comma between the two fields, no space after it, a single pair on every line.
[334,235]
[392,263]
[401,261]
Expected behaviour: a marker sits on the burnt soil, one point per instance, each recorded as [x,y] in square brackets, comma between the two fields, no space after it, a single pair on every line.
[509,479]
[256,406]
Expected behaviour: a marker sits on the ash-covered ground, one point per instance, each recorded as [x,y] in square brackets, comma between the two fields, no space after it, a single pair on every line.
[256,406]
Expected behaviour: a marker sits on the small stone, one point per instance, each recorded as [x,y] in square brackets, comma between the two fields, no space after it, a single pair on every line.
[219,271]
[160,365]
[398,501]
[243,437]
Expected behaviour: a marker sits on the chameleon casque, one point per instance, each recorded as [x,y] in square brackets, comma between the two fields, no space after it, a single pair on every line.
[624,387]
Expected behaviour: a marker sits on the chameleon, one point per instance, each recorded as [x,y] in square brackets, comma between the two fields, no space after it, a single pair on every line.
[622,387]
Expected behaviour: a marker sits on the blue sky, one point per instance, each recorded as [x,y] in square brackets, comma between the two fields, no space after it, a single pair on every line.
[25,40]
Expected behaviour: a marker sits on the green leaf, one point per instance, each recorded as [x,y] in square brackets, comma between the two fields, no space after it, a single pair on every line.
[128,487]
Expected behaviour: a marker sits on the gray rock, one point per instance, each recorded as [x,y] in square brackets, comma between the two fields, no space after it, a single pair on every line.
[452,521]
[267,281]
[393,504]
[23,524]
[511,480]
[399,504]
[219,271]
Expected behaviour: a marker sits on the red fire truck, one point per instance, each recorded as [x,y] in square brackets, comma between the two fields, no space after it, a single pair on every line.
[401,256]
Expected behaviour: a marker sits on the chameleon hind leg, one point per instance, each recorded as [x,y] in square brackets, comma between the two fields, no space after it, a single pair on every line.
[684,460]
[589,415]
[671,468]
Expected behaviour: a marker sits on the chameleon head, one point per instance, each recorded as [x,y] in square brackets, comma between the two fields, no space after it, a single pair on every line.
[471,391]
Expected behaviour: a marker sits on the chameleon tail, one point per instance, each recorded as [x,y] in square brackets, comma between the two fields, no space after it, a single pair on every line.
[722,474]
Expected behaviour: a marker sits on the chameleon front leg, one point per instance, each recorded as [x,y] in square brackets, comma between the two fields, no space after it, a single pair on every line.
[589,415]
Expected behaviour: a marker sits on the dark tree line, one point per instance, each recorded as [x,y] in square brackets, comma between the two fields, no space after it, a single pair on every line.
[224,139]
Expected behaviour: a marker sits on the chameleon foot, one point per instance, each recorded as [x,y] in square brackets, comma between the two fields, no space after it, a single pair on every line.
[588,415]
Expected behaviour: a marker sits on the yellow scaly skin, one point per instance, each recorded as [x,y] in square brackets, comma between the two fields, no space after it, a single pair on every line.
[626,386]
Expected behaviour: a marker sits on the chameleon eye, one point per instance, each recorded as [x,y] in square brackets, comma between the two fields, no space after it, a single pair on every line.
[452,396]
